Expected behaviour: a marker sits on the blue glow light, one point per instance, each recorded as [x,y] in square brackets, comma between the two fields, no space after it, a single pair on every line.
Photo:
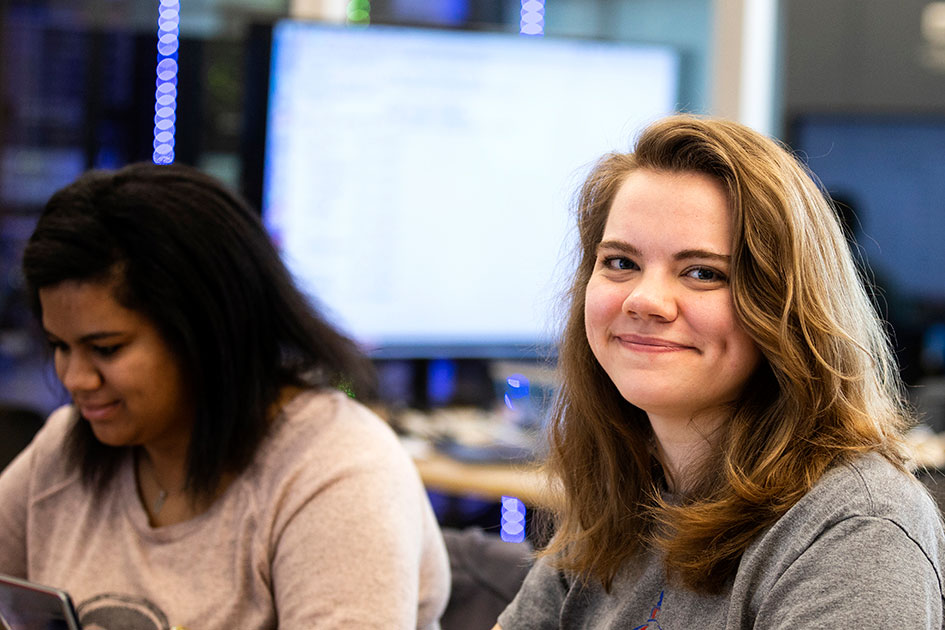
[533,17]
[512,520]
[516,391]
[441,381]
[165,93]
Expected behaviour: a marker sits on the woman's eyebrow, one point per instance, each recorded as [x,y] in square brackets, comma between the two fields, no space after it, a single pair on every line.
[620,246]
[701,253]
[89,338]
[686,254]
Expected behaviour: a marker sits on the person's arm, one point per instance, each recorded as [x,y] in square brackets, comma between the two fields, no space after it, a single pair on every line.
[353,568]
[40,465]
[14,495]
[865,572]
[361,548]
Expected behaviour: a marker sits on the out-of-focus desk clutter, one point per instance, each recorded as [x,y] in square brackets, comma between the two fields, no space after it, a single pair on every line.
[928,448]
[478,444]
[468,451]
[480,467]
[478,430]
[929,457]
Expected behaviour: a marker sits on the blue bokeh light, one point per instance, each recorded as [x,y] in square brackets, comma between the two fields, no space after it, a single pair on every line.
[533,17]
[512,521]
[165,93]
[441,381]
[517,391]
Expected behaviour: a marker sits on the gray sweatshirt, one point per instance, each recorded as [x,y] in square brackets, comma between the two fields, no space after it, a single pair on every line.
[864,549]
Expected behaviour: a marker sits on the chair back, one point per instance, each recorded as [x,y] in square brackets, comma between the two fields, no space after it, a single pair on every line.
[486,575]
[18,425]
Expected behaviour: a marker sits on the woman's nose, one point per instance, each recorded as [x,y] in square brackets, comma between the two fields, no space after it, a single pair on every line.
[77,373]
[651,297]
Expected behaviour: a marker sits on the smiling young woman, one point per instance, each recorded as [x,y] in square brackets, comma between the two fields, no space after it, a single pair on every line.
[658,309]
[728,431]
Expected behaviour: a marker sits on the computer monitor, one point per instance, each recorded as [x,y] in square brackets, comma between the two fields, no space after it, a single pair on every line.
[887,172]
[888,168]
[418,181]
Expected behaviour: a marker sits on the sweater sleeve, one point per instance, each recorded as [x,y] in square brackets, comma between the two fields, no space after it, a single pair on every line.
[864,572]
[538,604]
[14,497]
[35,469]
[357,545]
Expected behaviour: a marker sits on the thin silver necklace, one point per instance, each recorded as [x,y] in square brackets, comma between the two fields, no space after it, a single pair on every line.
[162,493]
[159,501]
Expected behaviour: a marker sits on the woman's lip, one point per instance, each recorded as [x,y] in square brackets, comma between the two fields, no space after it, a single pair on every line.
[651,344]
[97,412]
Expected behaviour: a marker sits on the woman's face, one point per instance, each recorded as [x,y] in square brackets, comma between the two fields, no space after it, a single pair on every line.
[658,306]
[122,376]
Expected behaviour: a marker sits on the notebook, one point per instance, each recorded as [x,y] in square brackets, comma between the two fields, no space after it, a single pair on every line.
[26,605]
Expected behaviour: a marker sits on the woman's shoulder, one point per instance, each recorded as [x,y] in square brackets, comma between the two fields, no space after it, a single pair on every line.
[871,485]
[329,430]
[867,532]
[44,460]
[331,419]
[58,423]
[327,449]
[869,490]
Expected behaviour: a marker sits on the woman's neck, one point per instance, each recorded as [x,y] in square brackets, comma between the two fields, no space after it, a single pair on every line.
[161,472]
[681,445]
[162,487]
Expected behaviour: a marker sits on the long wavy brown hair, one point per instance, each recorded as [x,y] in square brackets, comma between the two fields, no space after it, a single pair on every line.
[827,391]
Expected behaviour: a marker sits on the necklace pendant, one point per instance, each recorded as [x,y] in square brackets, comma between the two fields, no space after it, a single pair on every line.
[159,501]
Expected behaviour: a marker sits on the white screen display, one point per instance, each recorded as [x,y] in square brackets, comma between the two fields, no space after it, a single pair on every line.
[418,181]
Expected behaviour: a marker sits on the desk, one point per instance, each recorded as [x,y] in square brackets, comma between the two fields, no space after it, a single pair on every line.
[485,481]
[471,427]
[491,481]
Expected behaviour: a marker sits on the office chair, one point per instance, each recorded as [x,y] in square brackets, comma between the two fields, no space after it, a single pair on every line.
[486,575]
[18,425]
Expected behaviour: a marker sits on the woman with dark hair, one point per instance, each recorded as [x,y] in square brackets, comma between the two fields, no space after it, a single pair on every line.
[728,436]
[208,471]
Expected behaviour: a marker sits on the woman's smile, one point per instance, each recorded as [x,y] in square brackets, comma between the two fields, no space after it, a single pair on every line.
[98,411]
[655,345]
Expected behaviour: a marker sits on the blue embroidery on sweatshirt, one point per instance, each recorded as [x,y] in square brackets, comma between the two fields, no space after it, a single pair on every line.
[653,615]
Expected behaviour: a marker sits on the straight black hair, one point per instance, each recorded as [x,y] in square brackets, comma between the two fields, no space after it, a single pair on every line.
[193,258]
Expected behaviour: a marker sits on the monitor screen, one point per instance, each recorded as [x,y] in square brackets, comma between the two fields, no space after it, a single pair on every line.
[888,169]
[418,181]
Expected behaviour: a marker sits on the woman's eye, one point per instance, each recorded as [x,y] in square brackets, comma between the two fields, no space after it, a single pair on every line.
[106,351]
[619,263]
[705,274]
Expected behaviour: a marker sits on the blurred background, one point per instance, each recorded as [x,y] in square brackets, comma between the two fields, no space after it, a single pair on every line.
[289,102]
